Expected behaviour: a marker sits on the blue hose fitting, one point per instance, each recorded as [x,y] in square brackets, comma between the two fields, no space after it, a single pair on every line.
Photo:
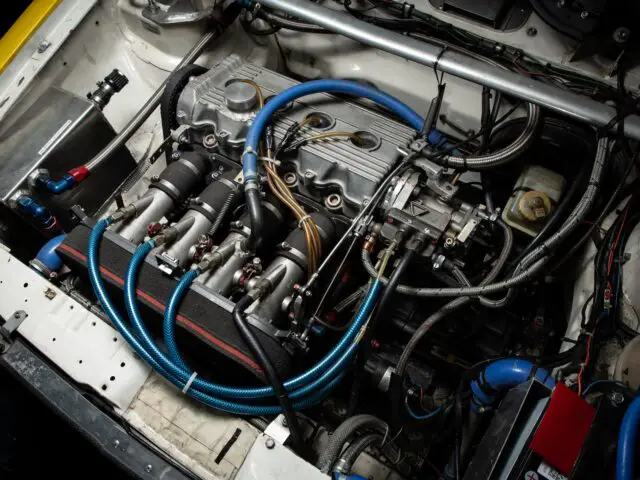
[67,182]
[503,374]
[627,442]
[47,260]
[439,140]
[342,476]
[39,213]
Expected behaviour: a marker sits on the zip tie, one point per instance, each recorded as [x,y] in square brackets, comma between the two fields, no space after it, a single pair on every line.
[384,439]
[187,385]
[306,217]
[277,163]
[246,152]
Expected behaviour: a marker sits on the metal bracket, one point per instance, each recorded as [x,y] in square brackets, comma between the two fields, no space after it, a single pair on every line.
[435,179]
[12,323]
[278,430]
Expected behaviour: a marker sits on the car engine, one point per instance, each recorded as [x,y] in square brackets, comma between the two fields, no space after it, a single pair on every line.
[356,239]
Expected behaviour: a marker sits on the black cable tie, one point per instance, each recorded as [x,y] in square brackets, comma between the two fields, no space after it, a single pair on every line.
[569,340]
[407,10]
[436,63]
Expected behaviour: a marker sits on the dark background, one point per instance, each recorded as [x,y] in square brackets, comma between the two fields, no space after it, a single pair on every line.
[35,443]
[11,10]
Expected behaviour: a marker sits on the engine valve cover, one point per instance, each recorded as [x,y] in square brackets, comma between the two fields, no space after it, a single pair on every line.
[215,103]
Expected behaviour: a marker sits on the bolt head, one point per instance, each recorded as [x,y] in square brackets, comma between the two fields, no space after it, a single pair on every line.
[584,15]
[270,443]
[148,468]
[616,398]
[532,31]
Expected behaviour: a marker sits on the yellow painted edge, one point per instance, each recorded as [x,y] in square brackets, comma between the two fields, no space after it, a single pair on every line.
[23,29]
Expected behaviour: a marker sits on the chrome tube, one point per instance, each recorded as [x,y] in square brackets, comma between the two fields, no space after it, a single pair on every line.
[148,108]
[577,107]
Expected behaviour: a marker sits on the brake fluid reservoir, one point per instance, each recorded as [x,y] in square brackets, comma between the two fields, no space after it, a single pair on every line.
[535,195]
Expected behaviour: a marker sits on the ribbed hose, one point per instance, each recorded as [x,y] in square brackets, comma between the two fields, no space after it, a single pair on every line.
[580,212]
[503,156]
[357,447]
[627,442]
[115,317]
[335,362]
[343,433]
[457,303]
[558,213]
[228,204]
[533,263]
[309,383]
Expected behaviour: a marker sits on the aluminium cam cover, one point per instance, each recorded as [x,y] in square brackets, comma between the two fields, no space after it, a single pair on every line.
[322,167]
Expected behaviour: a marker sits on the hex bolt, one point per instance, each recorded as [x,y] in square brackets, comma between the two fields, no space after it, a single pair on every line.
[616,398]
[209,141]
[270,443]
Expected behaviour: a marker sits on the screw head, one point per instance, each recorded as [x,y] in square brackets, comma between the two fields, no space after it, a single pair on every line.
[621,35]
[584,15]
[116,443]
[270,443]
[148,468]
[532,31]
[616,398]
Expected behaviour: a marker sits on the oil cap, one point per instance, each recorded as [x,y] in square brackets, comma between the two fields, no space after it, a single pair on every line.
[240,97]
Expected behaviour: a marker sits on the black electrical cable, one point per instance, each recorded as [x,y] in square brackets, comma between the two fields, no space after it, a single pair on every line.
[412,20]
[618,194]
[288,23]
[250,28]
[559,213]
[442,153]
[240,321]
[485,120]
[381,310]
[169,101]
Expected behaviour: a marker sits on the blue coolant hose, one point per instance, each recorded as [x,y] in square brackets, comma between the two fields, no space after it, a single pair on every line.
[322,379]
[335,362]
[505,373]
[627,442]
[250,163]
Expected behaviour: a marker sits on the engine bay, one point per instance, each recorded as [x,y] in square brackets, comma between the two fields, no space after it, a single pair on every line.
[356,239]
